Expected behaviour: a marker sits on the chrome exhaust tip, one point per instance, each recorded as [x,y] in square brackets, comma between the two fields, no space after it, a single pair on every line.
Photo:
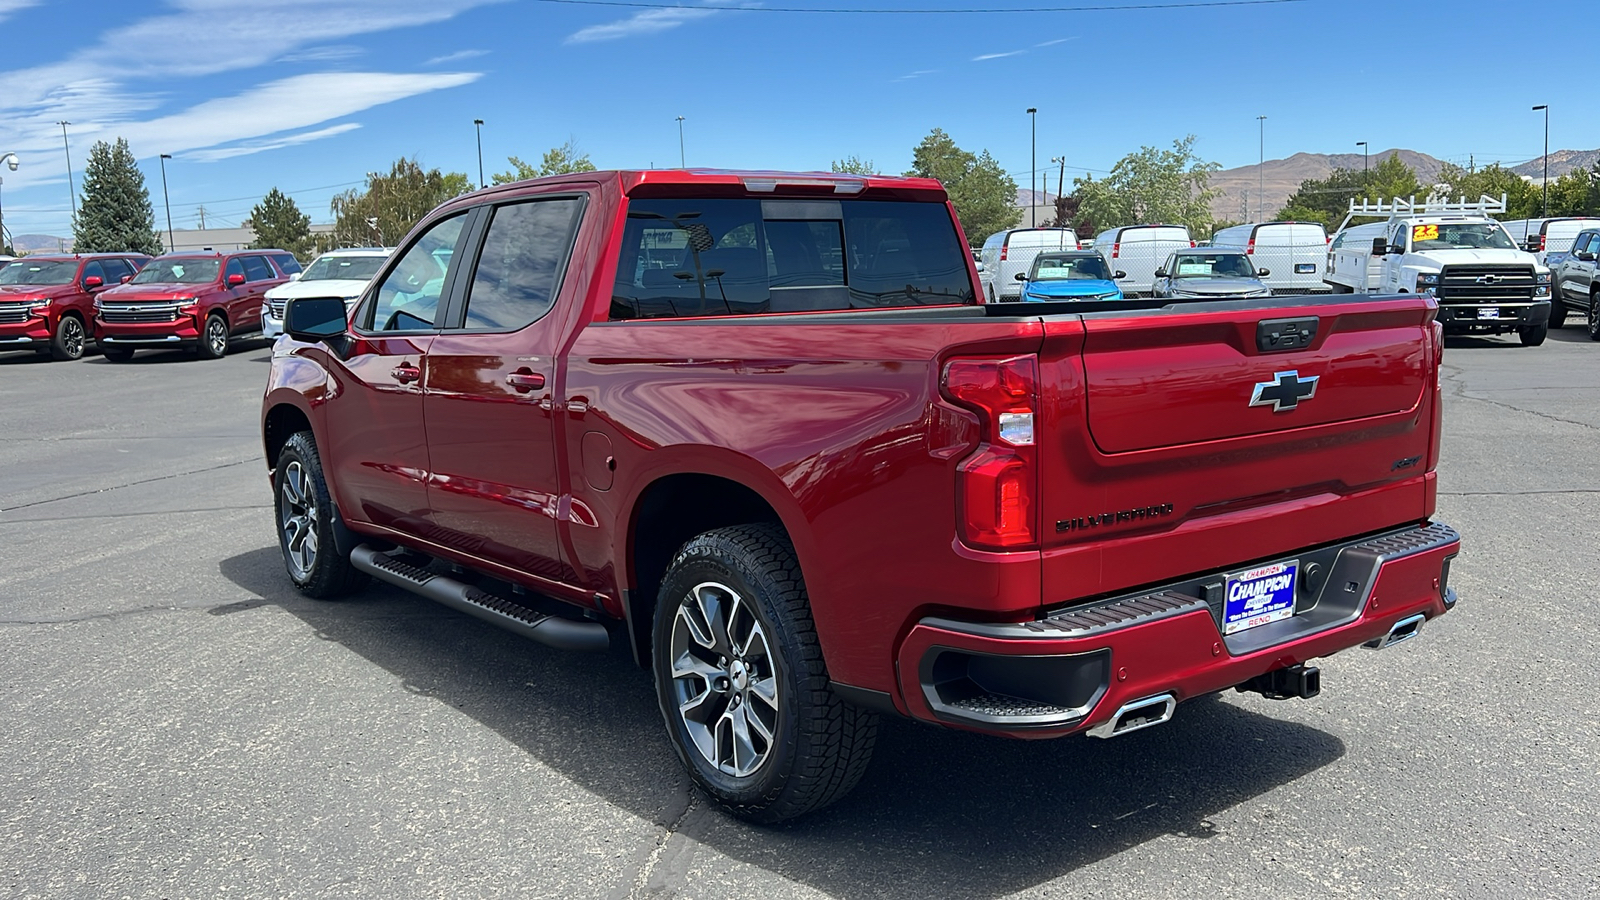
[1403,630]
[1136,715]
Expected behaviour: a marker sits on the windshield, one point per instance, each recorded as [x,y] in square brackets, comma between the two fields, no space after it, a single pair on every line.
[1478,236]
[343,268]
[1212,265]
[1067,268]
[23,272]
[179,271]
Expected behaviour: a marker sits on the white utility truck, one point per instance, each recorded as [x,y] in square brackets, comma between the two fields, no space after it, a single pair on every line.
[1453,251]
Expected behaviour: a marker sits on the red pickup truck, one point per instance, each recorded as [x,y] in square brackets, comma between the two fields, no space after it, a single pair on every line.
[760,427]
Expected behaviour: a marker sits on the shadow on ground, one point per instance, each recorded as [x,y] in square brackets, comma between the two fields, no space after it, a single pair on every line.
[940,813]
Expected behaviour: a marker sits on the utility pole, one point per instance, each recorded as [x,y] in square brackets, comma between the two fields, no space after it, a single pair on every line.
[167,201]
[1033,166]
[1060,188]
[201,210]
[1261,171]
[1546,201]
[681,163]
[478,125]
[72,192]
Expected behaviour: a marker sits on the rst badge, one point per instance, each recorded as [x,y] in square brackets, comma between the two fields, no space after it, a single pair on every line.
[1258,596]
[1285,391]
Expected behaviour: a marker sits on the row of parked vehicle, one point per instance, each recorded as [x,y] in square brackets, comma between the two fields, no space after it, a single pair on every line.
[125,302]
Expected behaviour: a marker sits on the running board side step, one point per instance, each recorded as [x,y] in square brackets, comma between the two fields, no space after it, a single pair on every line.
[1137,715]
[552,631]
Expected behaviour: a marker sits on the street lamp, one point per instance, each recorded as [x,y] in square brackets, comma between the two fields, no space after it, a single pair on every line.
[1363,146]
[1546,201]
[477,125]
[1061,178]
[167,202]
[1261,170]
[1033,166]
[681,163]
[11,162]
[72,192]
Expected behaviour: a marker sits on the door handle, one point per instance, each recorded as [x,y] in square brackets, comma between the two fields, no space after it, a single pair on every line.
[405,373]
[523,380]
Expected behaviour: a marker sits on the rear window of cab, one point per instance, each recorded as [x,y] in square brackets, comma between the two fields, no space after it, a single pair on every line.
[727,257]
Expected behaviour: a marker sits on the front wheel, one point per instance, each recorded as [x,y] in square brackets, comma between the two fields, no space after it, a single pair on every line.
[1558,312]
[1533,335]
[304,513]
[214,343]
[69,339]
[741,681]
[1594,318]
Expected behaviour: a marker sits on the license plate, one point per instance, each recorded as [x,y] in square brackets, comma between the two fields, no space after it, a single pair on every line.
[1489,312]
[1305,268]
[1260,595]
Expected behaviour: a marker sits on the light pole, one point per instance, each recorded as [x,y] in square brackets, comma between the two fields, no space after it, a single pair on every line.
[1546,201]
[72,192]
[1363,146]
[11,162]
[1033,166]
[681,163]
[1261,170]
[477,125]
[167,202]
[1060,180]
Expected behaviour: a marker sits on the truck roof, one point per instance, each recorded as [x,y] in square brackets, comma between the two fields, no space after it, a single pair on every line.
[756,182]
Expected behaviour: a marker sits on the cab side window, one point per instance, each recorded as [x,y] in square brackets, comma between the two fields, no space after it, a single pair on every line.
[257,269]
[520,267]
[408,299]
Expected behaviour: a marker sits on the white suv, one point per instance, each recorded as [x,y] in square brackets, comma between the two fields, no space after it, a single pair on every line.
[337,273]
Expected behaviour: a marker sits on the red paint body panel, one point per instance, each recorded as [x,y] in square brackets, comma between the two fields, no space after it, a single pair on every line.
[838,423]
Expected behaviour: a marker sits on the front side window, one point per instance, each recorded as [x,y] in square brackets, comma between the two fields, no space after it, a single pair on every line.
[717,257]
[521,264]
[408,299]
[94,270]
[179,271]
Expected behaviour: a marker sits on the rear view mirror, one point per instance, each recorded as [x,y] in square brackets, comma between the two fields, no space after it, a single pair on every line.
[1380,246]
[235,280]
[1161,273]
[1120,275]
[1262,273]
[313,319]
[1021,276]
[92,282]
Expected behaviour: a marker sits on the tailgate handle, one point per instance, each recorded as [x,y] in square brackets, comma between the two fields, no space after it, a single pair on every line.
[1274,335]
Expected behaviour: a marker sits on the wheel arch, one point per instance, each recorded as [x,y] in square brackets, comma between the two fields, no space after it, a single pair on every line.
[282,419]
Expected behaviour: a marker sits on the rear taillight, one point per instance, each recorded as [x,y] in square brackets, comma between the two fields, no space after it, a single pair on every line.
[1249,247]
[1002,252]
[1115,249]
[997,485]
[1193,245]
[1541,243]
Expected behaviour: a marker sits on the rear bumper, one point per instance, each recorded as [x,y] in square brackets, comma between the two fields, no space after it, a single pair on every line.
[1072,670]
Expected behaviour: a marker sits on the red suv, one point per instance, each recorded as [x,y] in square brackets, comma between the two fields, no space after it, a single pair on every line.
[46,302]
[198,300]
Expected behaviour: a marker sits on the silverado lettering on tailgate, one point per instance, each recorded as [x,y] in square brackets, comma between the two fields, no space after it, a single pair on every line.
[1100,520]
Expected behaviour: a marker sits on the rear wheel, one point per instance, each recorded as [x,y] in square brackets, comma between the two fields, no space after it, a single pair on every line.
[117,354]
[1558,312]
[214,342]
[304,513]
[1533,335]
[69,339]
[1594,317]
[741,681]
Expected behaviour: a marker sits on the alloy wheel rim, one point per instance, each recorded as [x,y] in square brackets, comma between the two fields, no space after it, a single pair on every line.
[72,338]
[298,520]
[724,679]
[217,336]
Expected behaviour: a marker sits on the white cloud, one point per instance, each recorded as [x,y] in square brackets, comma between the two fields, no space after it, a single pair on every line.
[998,55]
[7,7]
[248,147]
[280,106]
[917,74]
[457,56]
[647,22]
[1057,41]
[325,53]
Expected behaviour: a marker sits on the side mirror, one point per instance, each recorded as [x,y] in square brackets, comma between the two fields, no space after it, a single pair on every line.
[1380,246]
[1262,273]
[235,280]
[1021,276]
[313,319]
[1531,245]
[1120,275]
[1161,273]
[1584,255]
[125,279]
[92,282]
[980,267]
[294,276]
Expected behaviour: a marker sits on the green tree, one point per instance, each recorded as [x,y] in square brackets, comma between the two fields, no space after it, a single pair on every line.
[1327,200]
[391,203]
[279,223]
[1522,198]
[562,160]
[1577,193]
[115,215]
[1152,185]
[854,165]
[983,194]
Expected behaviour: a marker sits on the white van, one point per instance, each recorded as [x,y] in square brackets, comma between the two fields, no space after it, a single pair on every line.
[1296,253]
[1545,236]
[1006,253]
[1139,250]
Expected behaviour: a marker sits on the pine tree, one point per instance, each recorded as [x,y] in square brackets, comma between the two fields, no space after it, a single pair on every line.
[115,215]
[279,225]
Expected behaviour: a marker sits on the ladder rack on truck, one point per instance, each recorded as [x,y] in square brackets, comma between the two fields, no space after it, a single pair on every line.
[1404,207]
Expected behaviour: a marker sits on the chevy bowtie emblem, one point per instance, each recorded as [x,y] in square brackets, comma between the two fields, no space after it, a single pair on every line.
[1285,392]
[1488,279]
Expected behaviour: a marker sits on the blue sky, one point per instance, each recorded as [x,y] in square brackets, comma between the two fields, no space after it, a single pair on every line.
[309,95]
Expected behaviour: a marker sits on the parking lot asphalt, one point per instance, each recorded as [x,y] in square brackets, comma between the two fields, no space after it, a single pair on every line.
[178,722]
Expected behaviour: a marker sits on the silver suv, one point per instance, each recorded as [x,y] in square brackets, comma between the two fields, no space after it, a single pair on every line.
[1574,286]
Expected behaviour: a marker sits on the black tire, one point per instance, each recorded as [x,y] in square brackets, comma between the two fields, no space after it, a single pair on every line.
[1533,335]
[214,338]
[1593,319]
[69,340]
[117,354]
[819,746]
[303,514]
[1558,312]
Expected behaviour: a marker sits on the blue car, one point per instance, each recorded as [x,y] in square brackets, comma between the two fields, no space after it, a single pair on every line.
[1070,275]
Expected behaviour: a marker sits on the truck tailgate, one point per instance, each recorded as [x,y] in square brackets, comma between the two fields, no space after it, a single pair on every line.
[1179,441]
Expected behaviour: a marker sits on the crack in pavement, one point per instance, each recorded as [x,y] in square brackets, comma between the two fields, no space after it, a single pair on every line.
[1460,391]
[641,883]
[1517,493]
[128,484]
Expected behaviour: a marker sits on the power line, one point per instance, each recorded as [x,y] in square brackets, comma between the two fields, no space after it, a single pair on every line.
[1190,4]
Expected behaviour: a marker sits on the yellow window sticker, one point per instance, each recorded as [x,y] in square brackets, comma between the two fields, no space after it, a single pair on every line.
[1424,233]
